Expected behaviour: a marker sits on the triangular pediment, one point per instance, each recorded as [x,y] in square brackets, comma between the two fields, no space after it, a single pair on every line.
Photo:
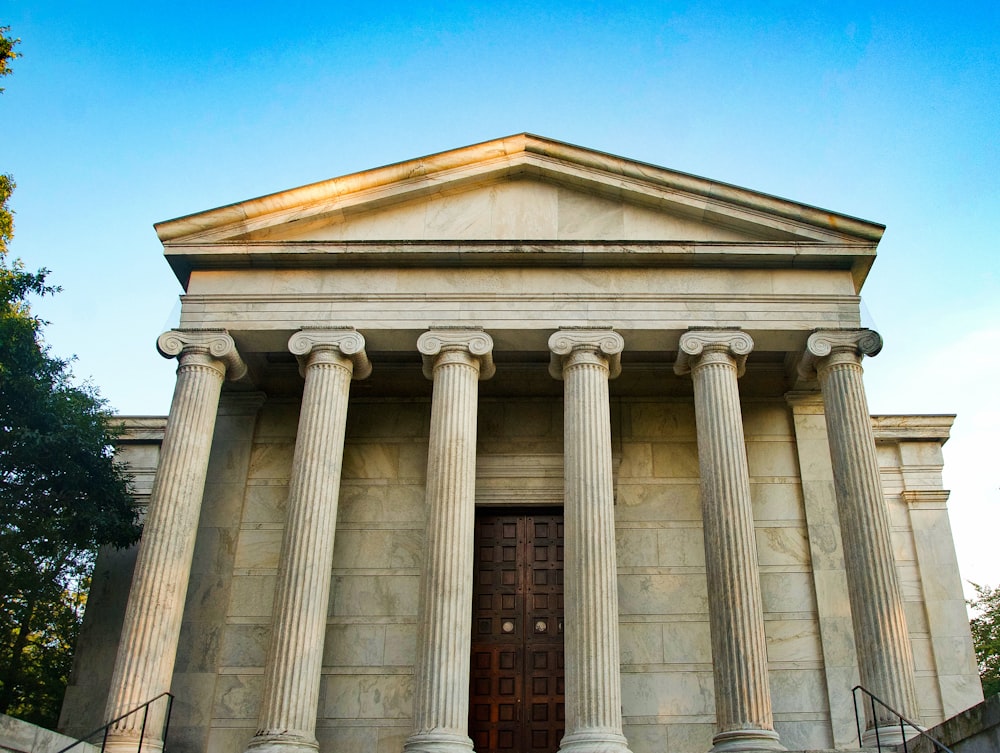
[518,189]
[511,208]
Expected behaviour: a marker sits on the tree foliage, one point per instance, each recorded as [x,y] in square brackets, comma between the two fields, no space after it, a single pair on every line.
[7,51]
[61,493]
[986,636]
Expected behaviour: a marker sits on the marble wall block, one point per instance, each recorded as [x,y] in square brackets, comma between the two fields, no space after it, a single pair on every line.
[687,642]
[243,646]
[635,547]
[799,691]
[670,696]
[787,592]
[237,699]
[647,738]
[690,736]
[641,644]
[381,503]
[675,460]
[400,643]
[636,460]
[252,596]
[347,738]
[382,696]
[638,502]
[803,734]
[228,739]
[794,644]
[661,594]
[398,420]
[374,595]
[392,738]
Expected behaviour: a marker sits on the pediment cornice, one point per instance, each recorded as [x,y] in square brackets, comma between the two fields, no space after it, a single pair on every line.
[256,225]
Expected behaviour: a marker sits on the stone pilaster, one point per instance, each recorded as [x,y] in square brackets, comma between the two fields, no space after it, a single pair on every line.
[715,359]
[885,656]
[329,359]
[585,359]
[829,574]
[455,359]
[148,646]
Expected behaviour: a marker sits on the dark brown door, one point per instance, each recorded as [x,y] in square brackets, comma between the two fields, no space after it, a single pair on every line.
[516,684]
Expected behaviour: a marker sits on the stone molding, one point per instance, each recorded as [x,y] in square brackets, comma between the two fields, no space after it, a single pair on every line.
[140,429]
[217,343]
[471,339]
[933,428]
[696,342]
[346,340]
[825,342]
[604,341]
[927,499]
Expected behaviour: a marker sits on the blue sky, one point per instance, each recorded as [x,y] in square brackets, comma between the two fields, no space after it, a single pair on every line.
[124,114]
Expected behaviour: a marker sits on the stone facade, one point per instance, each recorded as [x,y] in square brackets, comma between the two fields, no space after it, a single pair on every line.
[672,365]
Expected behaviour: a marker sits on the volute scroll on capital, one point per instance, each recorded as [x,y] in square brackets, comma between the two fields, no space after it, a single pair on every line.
[824,342]
[695,342]
[604,341]
[346,340]
[217,343]
[474,340]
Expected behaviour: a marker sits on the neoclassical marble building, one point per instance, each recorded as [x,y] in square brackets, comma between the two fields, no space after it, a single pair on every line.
[525,447]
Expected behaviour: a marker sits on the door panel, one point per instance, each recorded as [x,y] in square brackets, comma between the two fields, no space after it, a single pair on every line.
[516,680]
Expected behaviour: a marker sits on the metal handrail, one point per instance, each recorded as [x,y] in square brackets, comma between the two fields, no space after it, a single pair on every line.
[144,708]
[873,699]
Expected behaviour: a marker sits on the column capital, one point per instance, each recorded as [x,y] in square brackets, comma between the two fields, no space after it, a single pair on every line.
[695,343]
[605,342]
[854,343]
[347,341]
[472,340]
[216,343]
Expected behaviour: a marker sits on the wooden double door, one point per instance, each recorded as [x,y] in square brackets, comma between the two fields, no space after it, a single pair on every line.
[516,679]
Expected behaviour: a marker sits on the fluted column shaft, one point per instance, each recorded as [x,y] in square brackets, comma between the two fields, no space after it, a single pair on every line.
[585,360]
[739,653]
[885,656]
[288,712]
[148,645]
[456,360]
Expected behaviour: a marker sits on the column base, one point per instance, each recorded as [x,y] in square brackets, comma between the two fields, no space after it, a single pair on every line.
[438,741]
[889,735]
[594,741]
[746,739]
[131,745]
[283,743]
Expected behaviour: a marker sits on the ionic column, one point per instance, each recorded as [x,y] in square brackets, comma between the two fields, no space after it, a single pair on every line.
[885,656]
[148,645]
[456,359]
[329,359]
[585,359]
[715,359]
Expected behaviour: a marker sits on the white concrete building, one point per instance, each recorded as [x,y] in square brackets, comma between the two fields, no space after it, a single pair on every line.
[526,447]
